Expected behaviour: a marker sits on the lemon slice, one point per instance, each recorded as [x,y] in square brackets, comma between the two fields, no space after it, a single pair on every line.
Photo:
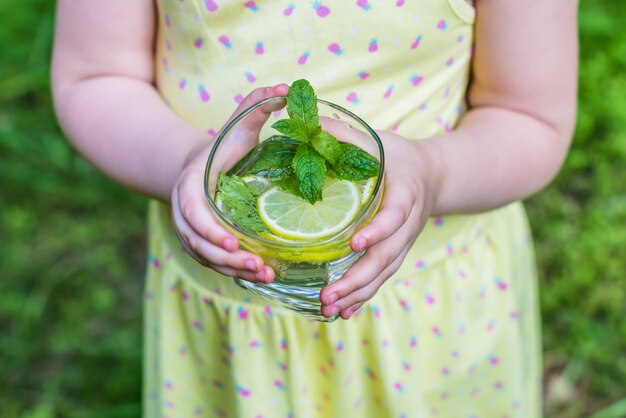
[366,188]
[219,203]
[292,217]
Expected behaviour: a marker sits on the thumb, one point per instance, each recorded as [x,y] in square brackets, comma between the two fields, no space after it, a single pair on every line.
[245,134]
[254,120]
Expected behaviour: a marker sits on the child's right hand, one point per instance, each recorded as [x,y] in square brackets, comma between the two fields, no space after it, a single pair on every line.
[201,236]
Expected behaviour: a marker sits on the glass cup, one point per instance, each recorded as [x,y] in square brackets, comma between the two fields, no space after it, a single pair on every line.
[302,268]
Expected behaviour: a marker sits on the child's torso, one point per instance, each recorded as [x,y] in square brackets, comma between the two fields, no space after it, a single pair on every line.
[400,65]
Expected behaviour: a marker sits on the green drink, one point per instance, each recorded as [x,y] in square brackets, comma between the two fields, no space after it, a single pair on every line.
[266,194]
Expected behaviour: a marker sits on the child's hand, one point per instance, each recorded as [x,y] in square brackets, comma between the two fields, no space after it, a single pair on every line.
[412,179]
[202,237]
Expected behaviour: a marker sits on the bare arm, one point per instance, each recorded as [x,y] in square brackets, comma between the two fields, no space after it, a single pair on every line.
[111,112]
[523,102]
[102,79]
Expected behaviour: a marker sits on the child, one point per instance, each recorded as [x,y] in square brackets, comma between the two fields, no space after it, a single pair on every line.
[450,326]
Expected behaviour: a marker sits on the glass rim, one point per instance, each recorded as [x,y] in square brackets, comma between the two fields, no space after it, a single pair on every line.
[364,209]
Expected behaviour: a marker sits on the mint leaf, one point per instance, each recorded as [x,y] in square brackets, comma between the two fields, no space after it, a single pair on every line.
[235,187]
[310,169]
[289,183]
[296,129]
[327,146]
[239,202]
[274,153]
[355,164]
[330,172]
[302,103]
[278,174]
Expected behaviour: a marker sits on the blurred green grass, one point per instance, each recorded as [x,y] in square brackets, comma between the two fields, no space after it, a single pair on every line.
[71,247]
[72,244]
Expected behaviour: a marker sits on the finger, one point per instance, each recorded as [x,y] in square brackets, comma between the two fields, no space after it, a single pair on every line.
[376,259]
[347,306]
[358,296]
[395,209]
[347,314]
[190,208]
[256,118]
[266,275]
[226,271]
[369,291]
[345,132]
[190,252]
[214,255]
[245,134]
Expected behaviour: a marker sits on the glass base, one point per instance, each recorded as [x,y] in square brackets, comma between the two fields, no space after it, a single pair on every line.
[299,288]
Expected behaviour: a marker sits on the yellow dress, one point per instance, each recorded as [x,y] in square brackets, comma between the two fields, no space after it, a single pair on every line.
[454,333]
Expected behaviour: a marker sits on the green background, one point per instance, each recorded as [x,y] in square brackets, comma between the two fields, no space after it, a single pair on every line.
[72,244]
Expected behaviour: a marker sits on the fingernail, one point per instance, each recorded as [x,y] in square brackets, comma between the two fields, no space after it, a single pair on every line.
[260,275]
[251,265]
[228,244]
[334,310]
[361,243]
[331,299]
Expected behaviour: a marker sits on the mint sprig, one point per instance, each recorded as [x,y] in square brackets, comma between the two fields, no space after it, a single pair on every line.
[318,148]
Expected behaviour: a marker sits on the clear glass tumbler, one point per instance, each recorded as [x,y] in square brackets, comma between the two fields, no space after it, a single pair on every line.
[302,268]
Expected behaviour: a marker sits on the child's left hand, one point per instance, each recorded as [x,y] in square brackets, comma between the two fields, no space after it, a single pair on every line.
[412,178]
